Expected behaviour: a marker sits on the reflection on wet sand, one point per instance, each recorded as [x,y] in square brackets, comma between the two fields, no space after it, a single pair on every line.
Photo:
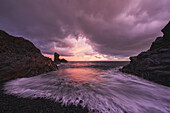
[81,74]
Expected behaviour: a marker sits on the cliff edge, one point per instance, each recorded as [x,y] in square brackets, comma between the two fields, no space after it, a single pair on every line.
[154,64]
[20,58]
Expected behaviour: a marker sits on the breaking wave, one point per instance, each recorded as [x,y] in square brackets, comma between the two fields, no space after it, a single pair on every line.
[108,92]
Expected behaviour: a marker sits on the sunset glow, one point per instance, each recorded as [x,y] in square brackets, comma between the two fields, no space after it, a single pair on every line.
[87,30]
[85,56]
[82,51]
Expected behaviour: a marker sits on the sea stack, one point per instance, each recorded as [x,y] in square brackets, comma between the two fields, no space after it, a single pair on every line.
[56,57]
[58,60]
[154,64]
[20,58]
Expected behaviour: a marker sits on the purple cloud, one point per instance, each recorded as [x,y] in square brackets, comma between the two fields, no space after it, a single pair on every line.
[113,27]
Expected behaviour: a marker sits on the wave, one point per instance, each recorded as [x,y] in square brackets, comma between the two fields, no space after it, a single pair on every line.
[107,92]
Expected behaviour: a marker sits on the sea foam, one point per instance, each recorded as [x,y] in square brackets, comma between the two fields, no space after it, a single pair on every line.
[107,92]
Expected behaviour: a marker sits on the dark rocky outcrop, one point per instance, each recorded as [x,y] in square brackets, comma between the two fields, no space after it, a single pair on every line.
[20,58]
[63,60]
[56,57]
[154,64]
[58,60]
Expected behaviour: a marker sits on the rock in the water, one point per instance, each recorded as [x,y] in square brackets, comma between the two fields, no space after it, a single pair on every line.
[58,60]
[153,64]
[20,58]
[63,60]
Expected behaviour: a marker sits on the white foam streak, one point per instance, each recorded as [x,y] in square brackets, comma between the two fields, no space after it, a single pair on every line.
[108,93]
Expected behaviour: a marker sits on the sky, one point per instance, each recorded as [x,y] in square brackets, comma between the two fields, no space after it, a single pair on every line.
[86,30]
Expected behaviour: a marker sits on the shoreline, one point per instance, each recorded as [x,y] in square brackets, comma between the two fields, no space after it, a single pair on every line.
[15,104]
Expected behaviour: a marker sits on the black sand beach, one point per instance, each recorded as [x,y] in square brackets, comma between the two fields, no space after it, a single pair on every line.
[14,104]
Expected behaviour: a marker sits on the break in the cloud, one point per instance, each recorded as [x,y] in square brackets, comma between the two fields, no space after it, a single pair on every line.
[113,28]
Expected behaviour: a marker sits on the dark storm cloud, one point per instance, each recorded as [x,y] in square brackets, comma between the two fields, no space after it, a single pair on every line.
[114,27]
[131,30]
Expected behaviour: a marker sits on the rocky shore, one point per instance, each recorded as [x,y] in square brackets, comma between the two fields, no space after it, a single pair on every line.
[20,58]
[154,64]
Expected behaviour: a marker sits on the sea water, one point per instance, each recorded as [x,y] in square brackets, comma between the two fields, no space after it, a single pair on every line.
[99,86]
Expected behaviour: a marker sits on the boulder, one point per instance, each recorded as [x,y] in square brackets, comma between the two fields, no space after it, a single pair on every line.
[154,64]
[20,58]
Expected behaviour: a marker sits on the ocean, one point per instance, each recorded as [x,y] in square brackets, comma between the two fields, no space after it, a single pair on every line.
[99,86]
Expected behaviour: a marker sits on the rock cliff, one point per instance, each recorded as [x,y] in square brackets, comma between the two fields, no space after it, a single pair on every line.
[154,64]
[20,58]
